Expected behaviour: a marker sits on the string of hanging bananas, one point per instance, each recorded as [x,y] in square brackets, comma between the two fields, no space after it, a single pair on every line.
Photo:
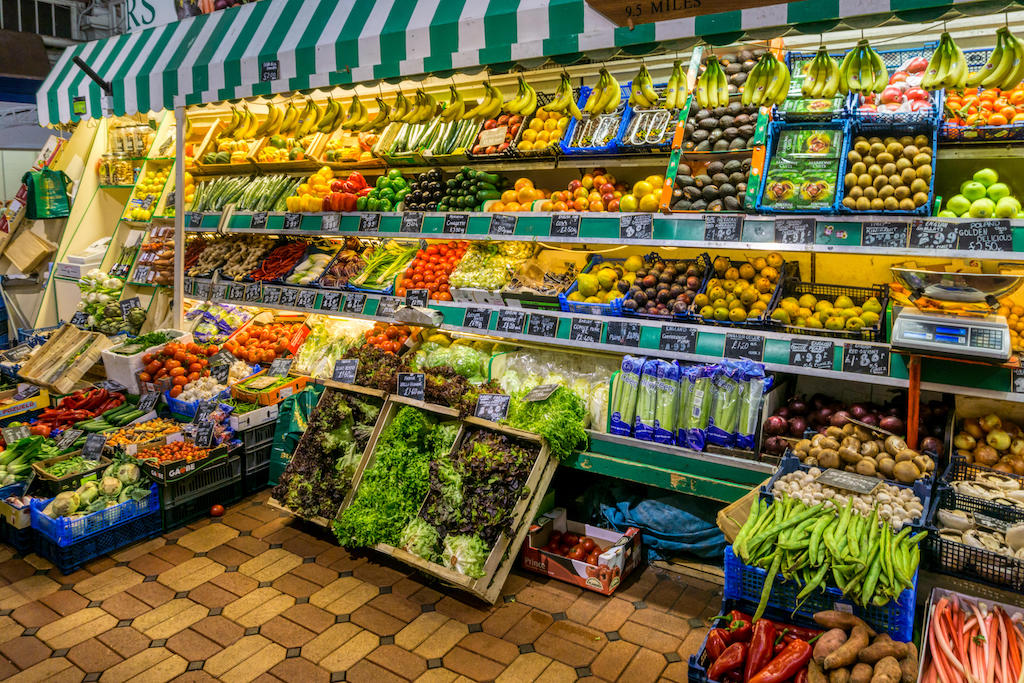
[767,84]
[642,93]
[606,95]
[1004,68]
[564,101]
[713,85]
[862,71]
[821,80]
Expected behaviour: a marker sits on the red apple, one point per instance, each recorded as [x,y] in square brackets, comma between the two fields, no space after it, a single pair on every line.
[574,185]
[917,65]
[515,120]
[477,149]
[607,198]
[868,108]
[503,119]
[606,188]
[898,77]
[491,150]
[502,147]
[613,205]
[916,94]
[489,124]
[919,105]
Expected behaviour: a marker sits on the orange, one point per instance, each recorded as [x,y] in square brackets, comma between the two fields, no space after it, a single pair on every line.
[580,204]
[1018,118]
[508,196]
[580,193]
[596,205]
[1018,311]
[547,206]
[523,182]
[1017,96]
[1008,112]
[511,206]
[559,206]
[497,207]
[997,120]
[527,194]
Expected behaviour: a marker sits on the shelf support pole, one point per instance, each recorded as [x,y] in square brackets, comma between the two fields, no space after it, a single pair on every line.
[178,295]
[913,399]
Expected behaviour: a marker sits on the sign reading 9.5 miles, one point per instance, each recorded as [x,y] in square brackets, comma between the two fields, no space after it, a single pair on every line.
[624,13]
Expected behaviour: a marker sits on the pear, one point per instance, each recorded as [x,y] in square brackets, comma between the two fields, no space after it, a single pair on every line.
[814,323]
[633,264]
[873,305]
[835,323]
[854,323]
[847,313]
[781,315]
[606,278]
[823,306]
[575,296]
[808,301]
[843,301]
[588,284]
[870,318]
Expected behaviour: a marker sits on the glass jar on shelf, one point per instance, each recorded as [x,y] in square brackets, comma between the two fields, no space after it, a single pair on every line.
[103,169]
[121,172]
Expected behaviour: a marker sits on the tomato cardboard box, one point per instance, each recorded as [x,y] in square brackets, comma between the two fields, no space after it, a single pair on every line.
[249,389]
[168,472]
[297,335]
[619,553]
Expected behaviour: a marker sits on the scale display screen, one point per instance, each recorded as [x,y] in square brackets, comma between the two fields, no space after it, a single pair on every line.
[987,338]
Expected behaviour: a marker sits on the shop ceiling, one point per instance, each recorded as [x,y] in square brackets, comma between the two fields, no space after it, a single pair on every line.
[285,45]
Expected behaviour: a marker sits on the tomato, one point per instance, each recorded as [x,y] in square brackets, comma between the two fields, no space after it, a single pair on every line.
[576,553]
[180,380]
[194,367]
[570,539]
[588,543]
[193,376]
[217,511]
[242,337]
[145,377]
[154,367]
[175,391]
[177,372]
[594,558]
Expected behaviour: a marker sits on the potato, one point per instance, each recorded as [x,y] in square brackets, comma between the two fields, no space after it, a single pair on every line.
[861,673]
[886,465]
[887,670]
[866,466]
[828,643]
[835,619]
[906,472]
[828,459]
[815,673]
[849,455]
[815,451]
[846,654]
[839,676]
[908,665]
[882,647]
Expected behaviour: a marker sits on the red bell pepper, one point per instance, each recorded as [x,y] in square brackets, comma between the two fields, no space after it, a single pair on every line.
[786,664]
[363,191]
[357,178]
[349,186]
[348,202]
[799,631]
[337,201]
[730,660]
[337,185]
[801,676]
[740,631]
[718,640]
[762,648]
[325,205]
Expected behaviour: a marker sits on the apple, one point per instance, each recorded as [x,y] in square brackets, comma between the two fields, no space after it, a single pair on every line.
[946,213]
[920,105]
[986,176]
[606,188]
[491,150]
[477,149]
[502,147]
[972,190]
[982,208]
[891,94]
[997,191]
[868,108]
[503,119]
[607,198]
[917,65]
[576,184]
[917,94]
[958,204]
[613,205]
[514,120]
[1007,207]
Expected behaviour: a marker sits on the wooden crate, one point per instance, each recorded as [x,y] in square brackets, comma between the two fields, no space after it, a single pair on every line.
[738,511]
[308,164]
[59,352]
[505,551]
[209,144]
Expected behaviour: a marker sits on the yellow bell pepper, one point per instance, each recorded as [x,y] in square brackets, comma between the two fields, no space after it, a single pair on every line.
[293,204]
[311,204]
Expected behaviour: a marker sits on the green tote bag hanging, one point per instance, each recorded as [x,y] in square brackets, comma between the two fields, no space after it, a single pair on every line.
[47,194]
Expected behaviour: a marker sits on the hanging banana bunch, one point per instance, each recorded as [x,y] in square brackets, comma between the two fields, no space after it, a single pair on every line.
[821,80]
[767,84]
[377,123]
[456,106]
[862,71]
[489,106]
[677,91]
[641,91]
[525,101]
[947,68]
[1005,66]
[564,101]
[291,119]
[713,86]
[606,95]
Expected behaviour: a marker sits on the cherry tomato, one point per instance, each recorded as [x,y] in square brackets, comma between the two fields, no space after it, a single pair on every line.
[217,511]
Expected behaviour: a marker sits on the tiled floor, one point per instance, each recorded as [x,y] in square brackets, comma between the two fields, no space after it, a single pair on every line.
[256,596]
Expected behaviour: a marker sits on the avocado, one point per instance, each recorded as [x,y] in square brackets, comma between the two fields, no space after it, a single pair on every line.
[741,120]
[737,178]
[745,165]
[741,188]
[714,167]
[731,133]
[745,130]
[731,166]
[726,121]
[684,181]
[691,193]
[699,135]
[703,146]
[744,56]
[738,143]
[709,123]
[702,114]
[682,205]
[688,145]
[715,135]
[723,146]
[735,108]
[733,68]
[731,203]
[727,59]
[715,205]
[719,178]
[738,79]
[699,205]
[725,189]
[690,127]
[709,192]
[702,180]
[719,112]
[683,169]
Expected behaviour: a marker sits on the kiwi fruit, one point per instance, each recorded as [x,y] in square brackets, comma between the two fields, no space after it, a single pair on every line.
[902,193]
[918,185]
[908,176]
[889,169]
[881,182]
[906,140]
[884,158]
[895,180]
[920,199]
[861,147]
[894,149]
[856,192]
[890,204]
[868,160]
[850,202]
[853,156]
[910,152]
[863,204]
[903,163]
[859,168]
[876,149]
[921,141]
[864,180]
[850,180]
[924,172]
[874,170]
[877,204]
[870,192]
[874,140]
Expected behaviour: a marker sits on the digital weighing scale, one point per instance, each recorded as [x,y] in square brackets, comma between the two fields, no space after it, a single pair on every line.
[979,338]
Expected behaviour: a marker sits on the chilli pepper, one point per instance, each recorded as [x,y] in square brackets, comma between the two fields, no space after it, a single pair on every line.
[730,660]
[799,631]
[786,664]
[762,648]
[801,676]
[718,640]
[740,631]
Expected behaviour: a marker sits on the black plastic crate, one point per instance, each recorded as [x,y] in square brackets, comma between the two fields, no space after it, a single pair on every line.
[71,557]
[19,539]
[254,437]
[255,481]
[201,481]
[960,470]
[858,295]
[189,510]
[257,458]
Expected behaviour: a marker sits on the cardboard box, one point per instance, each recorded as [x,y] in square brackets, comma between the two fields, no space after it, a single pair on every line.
[17,517]
[9,406]
[272,396]
[169,472]
[27,251]
[620,555]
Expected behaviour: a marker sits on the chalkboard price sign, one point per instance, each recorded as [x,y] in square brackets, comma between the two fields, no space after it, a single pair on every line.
[330,301]
[202,290]
[412,385]
[456,223]
[866,360]
[204,434]
[540,393]
[416,297]
[148,401]
[744,346]
[280,367]
[476,318]
[815,354]
[412,221]
[542,325]
[68,437]
[565,225]
[723,227]
[271,294]
[330,222]
[79,319]
[492,407]
[1017,381]
[795,230]
[305,299]
[993,235]
[622,333]
[502,224]
[292,221]
[586,330]
[220,373]
[253,293]
[387,305]
[195,219]
[259,221]
[932,234]
[638,226]
[354,302]
[204,410]
[13,435]
[369,222]
[93,447]
[345,370]
[236,292]
[128,305]
[884,234]
[510,321]
[289,295]
[677,339]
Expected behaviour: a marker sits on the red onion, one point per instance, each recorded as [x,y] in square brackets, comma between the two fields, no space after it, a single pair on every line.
[858,411]
[775,425]
[797,406]
[819,401]
[776,445]
[797,427]
[826,414]
[783,412]
[892,424]
[840,418]
[931,444]
[870,419]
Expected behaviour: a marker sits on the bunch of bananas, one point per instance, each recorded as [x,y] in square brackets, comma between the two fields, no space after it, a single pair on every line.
[272,124]
[947,68]
[456,106]
[821,80]
[377,123]
[768,82]
[525,101]
[1005,66]
[564,101]
[489,107]
[862,71]
[243,124]
[422,109]
[641,91]
[676,92]
[713,86]
[606,95]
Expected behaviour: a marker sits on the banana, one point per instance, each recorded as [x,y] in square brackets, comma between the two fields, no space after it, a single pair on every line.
[704,84]
[881,73]
[317,115]
[866,74]
[812,78]
[723,88]
[613,96]
[562,96]
[672,90]
[647,87]
[400,108]
[531,101]
[1013,78]
[854,68]
[779,81]
[1006,61]
[956,78]
[380,120]
[595,94]
[844,71]
[310,115]
[273,122]
[330,114]
[232,123]
[291,115]
[994,61]
[516,103]
[636,98]
[484,105]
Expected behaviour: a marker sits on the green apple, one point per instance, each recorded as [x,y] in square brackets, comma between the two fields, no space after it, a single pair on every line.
[982,208]
[959,204]
[986,176]
[997,191]
[1007,207]
[972,190]
[946,213]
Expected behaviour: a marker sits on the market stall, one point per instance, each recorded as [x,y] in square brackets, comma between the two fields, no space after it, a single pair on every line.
[768,270]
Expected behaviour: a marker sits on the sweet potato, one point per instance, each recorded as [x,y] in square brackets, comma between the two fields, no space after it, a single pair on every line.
[828,643]
[887,670]
[861,673]
[839,676]
[846,654]
[815,673]
[882,647]
[908,665]
[835,619]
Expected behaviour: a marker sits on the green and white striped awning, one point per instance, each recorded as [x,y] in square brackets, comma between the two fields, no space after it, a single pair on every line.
[322,43]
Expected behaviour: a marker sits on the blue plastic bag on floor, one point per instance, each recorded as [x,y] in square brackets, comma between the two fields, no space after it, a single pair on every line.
[667,529]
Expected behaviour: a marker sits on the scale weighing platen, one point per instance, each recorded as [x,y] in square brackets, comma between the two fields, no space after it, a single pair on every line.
[949,335]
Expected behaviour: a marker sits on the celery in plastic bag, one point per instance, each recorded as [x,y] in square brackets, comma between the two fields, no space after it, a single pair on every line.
[756,385]
[647,401]
[695,419]
[725,407]
[667,402]
[624,405]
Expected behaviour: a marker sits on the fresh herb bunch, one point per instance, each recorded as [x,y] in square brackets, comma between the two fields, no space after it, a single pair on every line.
[559,418]
[392,489]
[320,473]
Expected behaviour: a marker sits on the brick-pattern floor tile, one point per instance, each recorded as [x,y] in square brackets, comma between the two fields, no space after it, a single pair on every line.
[666,623]
[286,633]
[462,611]
[9,629]
[257,663]
[295,586]
[612,660]
[554,645]
[152,593]
[170,618]
[314,573]
[368,672]
[207,538]
[219,629]
[190,574]
[77,627]
[34,614]
[24,651]
[646,665]
[377,621]
[396,606]
[149,565]
[248,545]
[155,664]
[541,598]
[398,661]
[557,672]
[442,640]
[236,583]
[529,628]
[503,617]
[93,656]
[648,637]
[527,667]
[124,606]
[329,641]
[309,616]
[51,669]
[64,602]
[585,607]
[471,664]
[302,670]
[419,630]
[612,615]
[110,582]
[175,554]
[192,646]
[493,648]
[353,650]
[259,606]
[677,672]
[270,565]
[16,570]
[211,595]
[124,641]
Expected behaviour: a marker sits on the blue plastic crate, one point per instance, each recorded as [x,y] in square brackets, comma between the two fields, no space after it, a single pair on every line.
[790,269]
[590,309]
[703,260]
[743,582]
[65,532]
[188,408]
[613,144]
[34,337]
[665,144]
[69,558]
[775,128]
[876,128]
